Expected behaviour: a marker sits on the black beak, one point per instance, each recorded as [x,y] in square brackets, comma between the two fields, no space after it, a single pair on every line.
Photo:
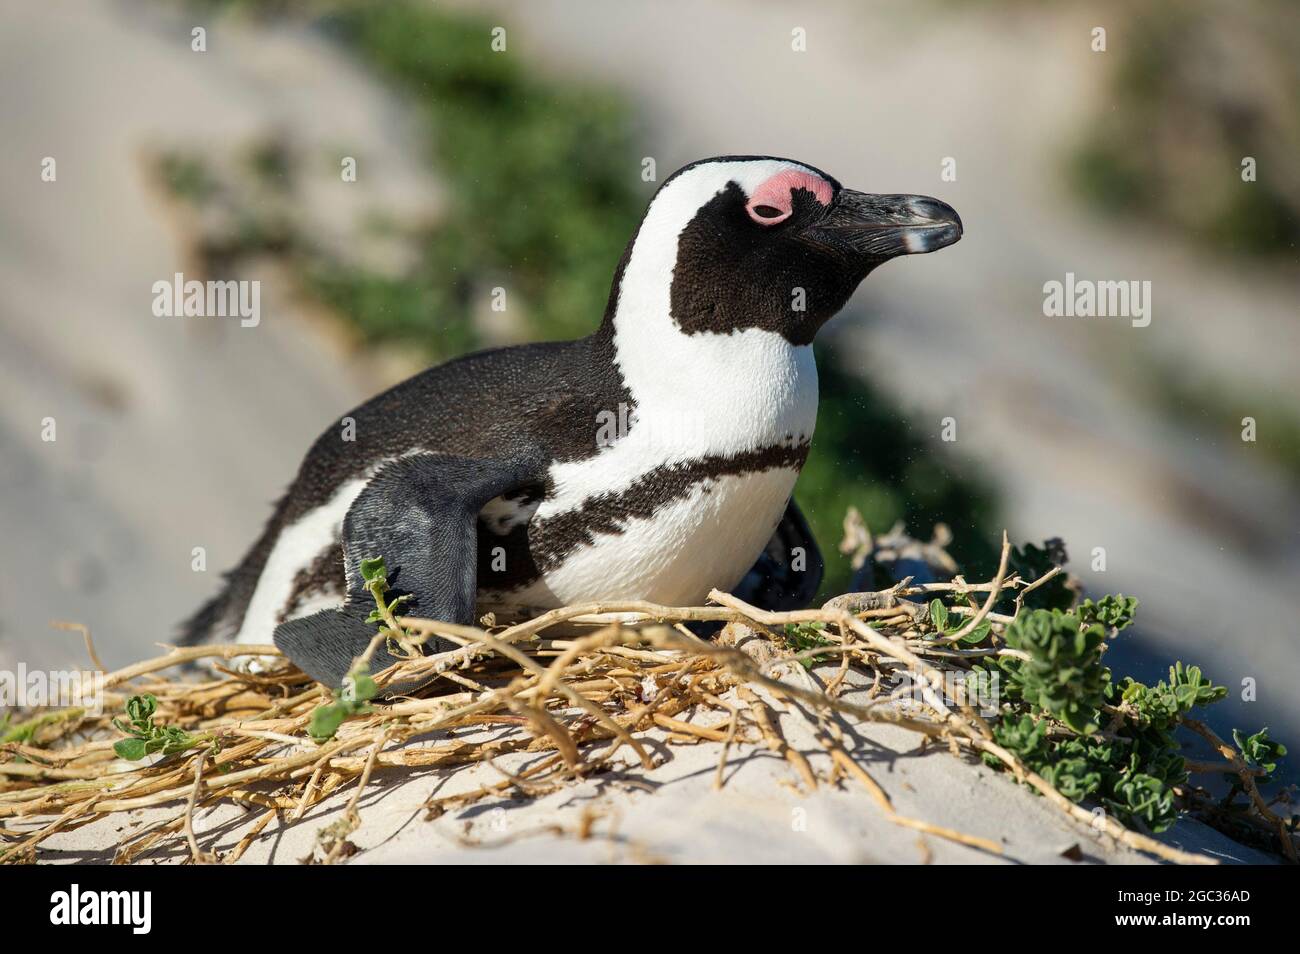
[880,227]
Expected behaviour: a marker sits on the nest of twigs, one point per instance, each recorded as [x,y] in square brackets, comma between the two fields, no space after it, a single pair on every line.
[575,701]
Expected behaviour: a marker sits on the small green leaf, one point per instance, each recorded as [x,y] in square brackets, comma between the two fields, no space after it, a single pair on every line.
[325,721]
[373,569]
[146,737]
[363,686]
[978,634]
[141,708]
[1112,611]
[939,616]
[1259,750]
[133,750]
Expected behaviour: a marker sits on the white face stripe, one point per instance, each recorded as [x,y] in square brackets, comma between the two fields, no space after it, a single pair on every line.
[682,197]
[676,204]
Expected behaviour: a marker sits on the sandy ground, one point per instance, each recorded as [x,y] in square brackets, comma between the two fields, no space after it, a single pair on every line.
[763,814]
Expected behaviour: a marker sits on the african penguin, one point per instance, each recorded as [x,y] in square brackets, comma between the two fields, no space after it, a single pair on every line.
[654,459]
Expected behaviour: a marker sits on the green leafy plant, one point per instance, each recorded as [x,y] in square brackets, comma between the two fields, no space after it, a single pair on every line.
[352,698]
[1032,562]
[1114,612]
[804,636]
[1259,751]
[1022,734]
[950,624]
[26,732]
[1146,798]
[1063,676]
[145,737]
[1165,134]
[1060,695]
[374,572]
[1159,706]
[1076,778]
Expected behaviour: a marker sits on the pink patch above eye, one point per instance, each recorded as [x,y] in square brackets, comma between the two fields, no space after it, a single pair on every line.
[773,201]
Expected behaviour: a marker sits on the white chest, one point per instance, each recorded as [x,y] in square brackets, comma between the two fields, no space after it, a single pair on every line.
[707,537]
[664,527]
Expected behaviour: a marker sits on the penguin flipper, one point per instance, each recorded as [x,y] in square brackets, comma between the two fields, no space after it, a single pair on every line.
[419,513]
[789,571]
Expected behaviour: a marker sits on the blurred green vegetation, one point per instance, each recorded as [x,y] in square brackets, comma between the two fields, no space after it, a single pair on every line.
[187,177]
[544,186]
[1193,90]
[1211,404]
[1217,406]
[542,174]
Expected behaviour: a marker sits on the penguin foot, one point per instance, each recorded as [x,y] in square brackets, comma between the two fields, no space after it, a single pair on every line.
[420,513]
[326,644]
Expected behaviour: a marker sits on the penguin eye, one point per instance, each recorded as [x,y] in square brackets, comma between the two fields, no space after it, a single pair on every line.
[765,214]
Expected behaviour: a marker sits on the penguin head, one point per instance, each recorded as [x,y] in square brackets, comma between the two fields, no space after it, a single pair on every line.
[739,242]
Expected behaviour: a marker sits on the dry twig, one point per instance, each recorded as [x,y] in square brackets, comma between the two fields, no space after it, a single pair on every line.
[631,674]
